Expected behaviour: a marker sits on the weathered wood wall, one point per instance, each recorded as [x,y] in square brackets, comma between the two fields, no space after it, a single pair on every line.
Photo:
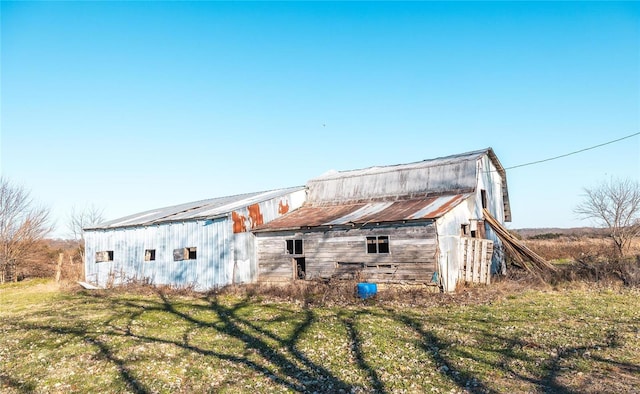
[476,260]
[343,253]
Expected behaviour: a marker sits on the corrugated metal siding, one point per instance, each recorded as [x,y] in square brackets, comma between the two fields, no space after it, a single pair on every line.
[491,179]
[453,174]
[222,257]
[208,270]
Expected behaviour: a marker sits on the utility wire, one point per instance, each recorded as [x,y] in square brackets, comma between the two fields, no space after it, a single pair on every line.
[572,153]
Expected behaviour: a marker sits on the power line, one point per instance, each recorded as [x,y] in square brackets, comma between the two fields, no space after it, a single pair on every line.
[572,153]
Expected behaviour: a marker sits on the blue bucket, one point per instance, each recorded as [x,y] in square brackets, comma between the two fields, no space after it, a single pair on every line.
[366,290]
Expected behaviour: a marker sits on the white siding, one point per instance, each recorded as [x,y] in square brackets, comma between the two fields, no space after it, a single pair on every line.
[222,257]
[208,270]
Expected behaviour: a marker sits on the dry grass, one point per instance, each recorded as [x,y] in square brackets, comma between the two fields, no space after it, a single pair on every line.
[573,248]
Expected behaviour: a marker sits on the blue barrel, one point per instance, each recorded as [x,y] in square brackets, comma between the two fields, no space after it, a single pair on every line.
[366,290]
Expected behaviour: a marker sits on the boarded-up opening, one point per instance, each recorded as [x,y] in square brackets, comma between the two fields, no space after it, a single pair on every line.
[476,260]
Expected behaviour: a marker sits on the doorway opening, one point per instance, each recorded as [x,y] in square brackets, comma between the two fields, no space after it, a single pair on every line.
[300,267]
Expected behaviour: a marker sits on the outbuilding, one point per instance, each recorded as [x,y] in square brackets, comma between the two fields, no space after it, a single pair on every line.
[421,222]
[203,244]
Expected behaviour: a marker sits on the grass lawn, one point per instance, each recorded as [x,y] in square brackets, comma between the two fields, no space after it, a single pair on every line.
[566,341]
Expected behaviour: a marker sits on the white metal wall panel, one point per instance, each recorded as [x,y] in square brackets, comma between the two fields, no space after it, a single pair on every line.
[208,270]
[222,257]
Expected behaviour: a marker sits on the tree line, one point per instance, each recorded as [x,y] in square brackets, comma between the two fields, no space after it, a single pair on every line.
[613,204]
[24,226]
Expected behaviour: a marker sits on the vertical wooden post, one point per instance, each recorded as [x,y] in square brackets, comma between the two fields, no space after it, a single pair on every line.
[59,269]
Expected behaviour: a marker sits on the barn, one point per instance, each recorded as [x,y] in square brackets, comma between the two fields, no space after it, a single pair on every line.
[203,244]
[420,222]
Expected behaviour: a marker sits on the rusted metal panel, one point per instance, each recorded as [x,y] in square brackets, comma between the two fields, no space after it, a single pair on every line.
[204,209]
[374,212]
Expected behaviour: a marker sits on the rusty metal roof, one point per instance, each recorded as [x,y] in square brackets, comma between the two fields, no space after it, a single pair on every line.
[308,216]
[210,208]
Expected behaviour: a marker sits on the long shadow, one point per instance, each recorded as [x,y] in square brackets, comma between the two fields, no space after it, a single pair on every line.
[21,387]
[548,382]
[356,347]
[104,352]
[313,377]
[432,344]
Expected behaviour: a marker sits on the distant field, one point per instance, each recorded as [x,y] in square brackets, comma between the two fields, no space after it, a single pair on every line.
[564,340]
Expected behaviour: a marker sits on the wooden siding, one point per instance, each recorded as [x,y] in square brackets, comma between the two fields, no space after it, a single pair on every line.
[476,260]
[343,254]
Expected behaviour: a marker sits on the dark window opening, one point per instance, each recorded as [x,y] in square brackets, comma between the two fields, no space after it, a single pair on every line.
[483,196]
[185,254]
[294,246]
[464,229]
[378,244]
[150,255]
[473,233]
[372,245]
[106,255]
[301,268]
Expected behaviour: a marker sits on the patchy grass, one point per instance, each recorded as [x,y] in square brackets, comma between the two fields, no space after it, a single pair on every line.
[564,340]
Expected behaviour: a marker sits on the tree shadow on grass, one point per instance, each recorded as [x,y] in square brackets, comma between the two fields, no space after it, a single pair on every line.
[508,355]
[19,386]
[279,358]
[290,367]
[272,356]
[350,323]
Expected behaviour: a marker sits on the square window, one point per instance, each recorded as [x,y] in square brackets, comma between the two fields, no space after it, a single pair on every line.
[378,244]
[150,255]
[106,255]
[294,246]
[185,254]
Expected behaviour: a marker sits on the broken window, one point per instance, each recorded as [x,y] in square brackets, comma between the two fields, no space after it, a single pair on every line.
[150,255]
[378,244]
[106,255]
[294,246]
[184,254]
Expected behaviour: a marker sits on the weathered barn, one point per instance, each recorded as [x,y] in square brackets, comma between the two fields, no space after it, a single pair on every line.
[419,222]
[205,244]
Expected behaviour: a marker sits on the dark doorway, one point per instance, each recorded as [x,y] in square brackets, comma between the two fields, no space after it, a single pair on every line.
[300,267]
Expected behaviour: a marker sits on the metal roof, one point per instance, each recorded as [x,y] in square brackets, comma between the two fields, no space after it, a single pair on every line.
[375,170]
[454,174]
[203,209]
[424,208]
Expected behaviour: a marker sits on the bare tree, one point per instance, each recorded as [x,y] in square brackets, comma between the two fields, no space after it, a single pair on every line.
[22,225]
[81,219]
[615,205]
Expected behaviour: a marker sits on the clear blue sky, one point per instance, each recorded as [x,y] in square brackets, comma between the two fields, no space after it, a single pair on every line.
[136,105]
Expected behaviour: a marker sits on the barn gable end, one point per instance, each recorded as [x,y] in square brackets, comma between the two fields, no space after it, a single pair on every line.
[421,214]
